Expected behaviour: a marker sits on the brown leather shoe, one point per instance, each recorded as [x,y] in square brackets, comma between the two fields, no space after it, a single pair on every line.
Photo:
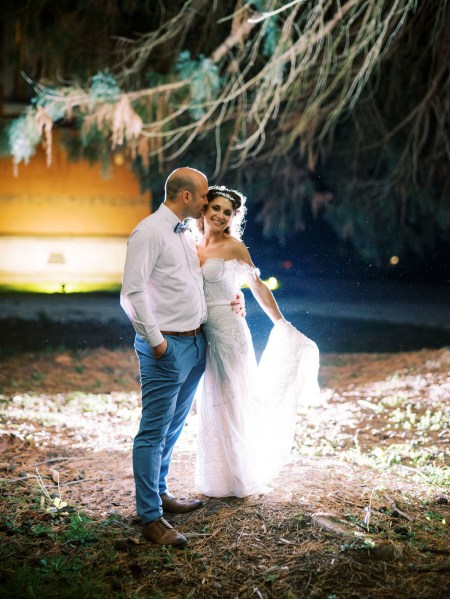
[160,532]
[172,505]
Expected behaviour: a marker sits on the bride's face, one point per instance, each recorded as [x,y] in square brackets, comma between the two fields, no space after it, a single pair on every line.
[218,214]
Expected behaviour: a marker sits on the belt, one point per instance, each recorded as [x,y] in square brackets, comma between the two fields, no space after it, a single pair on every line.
[183,333]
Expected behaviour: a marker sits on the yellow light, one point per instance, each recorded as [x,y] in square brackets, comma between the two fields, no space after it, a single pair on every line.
[55,288]
[394,260]
[272,283]
[119,159]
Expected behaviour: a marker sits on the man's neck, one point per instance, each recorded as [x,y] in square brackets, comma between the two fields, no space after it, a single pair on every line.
[176,209]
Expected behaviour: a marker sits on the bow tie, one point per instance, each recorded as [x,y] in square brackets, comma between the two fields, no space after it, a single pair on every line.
[181,227]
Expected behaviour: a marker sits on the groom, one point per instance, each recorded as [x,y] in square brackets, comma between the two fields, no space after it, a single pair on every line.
[162,294]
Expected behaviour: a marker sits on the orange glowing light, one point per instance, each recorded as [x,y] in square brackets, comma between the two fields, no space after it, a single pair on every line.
[65,227]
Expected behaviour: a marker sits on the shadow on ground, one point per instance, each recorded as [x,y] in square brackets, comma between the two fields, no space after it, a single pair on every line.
[332,335]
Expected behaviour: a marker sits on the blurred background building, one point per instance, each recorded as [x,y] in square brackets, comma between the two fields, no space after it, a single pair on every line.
[63,227]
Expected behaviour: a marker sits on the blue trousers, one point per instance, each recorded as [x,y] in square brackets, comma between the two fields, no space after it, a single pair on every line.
[168,386]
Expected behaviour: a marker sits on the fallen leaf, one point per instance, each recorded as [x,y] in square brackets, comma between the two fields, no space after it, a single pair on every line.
[135,541]
[64,359]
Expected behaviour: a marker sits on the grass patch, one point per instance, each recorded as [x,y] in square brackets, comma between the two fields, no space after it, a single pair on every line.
[363,508]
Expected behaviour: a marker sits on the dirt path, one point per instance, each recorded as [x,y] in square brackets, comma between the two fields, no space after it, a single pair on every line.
[362,509]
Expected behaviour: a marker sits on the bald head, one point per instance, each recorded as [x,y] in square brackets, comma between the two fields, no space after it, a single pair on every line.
[183,179]
[186,192]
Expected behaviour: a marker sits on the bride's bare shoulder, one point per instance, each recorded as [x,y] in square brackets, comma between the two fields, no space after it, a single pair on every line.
[239,250]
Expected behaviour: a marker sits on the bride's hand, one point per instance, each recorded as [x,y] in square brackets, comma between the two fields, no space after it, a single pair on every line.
[238,305]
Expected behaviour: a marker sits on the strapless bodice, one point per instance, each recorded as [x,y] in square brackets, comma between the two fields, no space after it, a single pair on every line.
[222,279]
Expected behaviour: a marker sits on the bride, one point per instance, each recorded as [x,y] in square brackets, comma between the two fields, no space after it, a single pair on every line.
[247,412]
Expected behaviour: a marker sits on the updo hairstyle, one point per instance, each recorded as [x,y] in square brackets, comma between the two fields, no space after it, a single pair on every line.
[239,209]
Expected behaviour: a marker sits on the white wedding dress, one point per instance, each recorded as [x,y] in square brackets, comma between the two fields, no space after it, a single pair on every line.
[247,413]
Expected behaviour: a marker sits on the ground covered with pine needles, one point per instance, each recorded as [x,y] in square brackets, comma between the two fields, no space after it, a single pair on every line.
[362,510]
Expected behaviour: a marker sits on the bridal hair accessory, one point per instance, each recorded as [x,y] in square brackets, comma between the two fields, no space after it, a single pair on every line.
[226,196]
[181,228]
[237,200]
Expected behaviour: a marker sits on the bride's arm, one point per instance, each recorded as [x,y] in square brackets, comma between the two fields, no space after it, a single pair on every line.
[260,291]
[264,297]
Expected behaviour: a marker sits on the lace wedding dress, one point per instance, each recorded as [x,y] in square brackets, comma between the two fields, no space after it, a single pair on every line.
[247,413]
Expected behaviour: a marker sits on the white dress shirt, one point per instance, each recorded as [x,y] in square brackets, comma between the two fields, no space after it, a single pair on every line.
[162,287]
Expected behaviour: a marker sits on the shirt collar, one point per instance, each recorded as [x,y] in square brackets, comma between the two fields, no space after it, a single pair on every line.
[168,215]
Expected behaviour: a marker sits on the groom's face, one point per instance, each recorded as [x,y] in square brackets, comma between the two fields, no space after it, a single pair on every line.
[199,198]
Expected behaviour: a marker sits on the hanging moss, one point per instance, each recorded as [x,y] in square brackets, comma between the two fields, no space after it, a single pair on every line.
[335,107]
